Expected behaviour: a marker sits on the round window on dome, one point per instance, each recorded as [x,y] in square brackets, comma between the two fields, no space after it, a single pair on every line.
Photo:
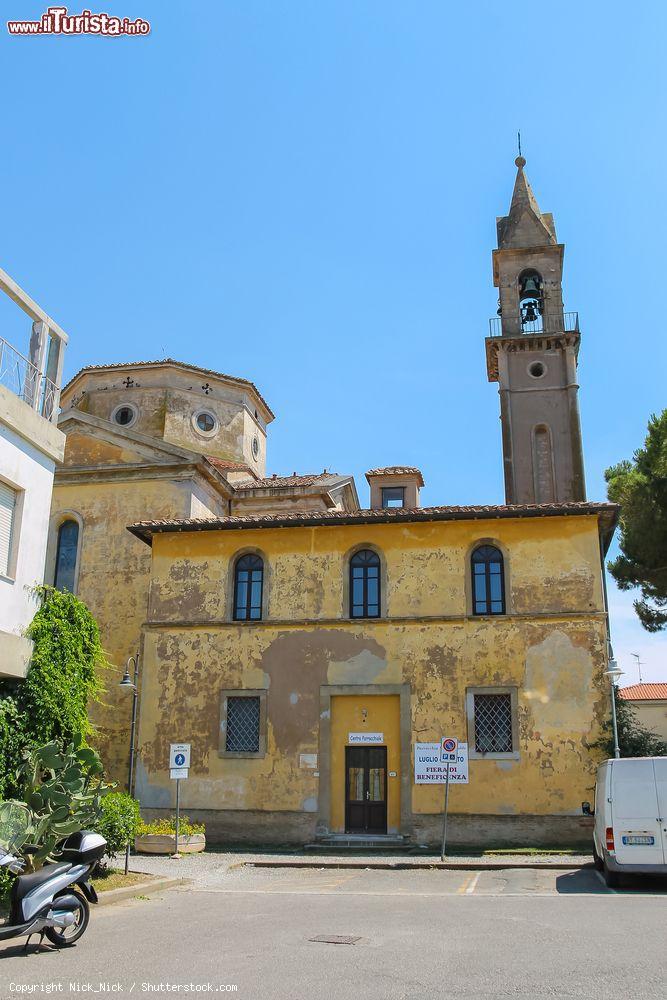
[205,422]
[124,415]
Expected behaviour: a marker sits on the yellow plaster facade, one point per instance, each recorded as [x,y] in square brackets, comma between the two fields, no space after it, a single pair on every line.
[310,659]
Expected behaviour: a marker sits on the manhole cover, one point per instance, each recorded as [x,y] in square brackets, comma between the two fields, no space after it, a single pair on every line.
[335,939]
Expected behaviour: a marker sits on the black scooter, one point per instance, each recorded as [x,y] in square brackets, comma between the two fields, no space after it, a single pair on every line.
[43,902]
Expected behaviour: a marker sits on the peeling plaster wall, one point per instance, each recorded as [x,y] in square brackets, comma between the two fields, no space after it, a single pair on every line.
[114,577]
[551,646]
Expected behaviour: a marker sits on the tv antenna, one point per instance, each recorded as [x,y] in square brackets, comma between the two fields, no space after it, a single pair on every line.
[639,666]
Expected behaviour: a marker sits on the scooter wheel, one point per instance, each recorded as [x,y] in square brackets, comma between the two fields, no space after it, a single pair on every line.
[67,936]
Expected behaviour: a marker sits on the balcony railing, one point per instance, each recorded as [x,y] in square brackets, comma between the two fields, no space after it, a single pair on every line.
[551,321]
[20,376]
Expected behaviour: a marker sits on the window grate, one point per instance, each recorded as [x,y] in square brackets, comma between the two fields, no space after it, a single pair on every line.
[242,725]
[493,723]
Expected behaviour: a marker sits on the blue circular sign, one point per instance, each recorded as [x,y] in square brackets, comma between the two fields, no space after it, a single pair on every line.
[179,759]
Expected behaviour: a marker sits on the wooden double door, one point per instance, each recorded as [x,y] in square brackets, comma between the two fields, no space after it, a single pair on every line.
[365,789]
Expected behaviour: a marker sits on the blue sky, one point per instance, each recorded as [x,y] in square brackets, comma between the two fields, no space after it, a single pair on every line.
[304,194]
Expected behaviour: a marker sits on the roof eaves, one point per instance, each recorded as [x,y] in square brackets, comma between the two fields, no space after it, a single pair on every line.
[145,529]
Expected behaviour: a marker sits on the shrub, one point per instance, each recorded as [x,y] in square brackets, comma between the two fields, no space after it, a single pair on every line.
[52,702]
[167,825]
[119,821]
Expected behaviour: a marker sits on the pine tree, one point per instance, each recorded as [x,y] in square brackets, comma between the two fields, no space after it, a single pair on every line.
[640,487]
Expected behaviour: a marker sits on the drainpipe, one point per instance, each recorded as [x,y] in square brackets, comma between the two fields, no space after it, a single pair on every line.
[610,652]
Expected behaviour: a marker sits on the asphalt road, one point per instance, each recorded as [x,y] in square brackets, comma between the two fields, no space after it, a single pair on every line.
[418,934]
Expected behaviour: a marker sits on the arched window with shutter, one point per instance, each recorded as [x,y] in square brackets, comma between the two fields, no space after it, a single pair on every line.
[488,581]
[66,556]
[248,588]
[365,584]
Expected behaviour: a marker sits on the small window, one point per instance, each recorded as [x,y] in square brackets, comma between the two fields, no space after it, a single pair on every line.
[125,415]
[248,588]
[66,553]
[493,723]
[255,446]
[365,584]
[242,725]
[393,496]
[488,581]
[8,497]
[205,423]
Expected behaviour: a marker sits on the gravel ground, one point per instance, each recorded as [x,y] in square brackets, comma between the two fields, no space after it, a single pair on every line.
[212,865]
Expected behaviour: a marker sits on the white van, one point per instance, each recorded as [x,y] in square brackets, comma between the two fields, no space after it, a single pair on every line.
[630,833]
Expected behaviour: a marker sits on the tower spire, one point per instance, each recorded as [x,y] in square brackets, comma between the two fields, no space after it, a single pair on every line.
[525,225]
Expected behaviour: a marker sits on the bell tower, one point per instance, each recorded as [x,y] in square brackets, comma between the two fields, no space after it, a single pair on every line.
[532,354]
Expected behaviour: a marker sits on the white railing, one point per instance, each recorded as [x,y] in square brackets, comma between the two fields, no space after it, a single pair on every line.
[20,376]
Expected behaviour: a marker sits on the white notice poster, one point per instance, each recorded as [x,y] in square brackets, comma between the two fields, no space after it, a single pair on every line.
[429,770]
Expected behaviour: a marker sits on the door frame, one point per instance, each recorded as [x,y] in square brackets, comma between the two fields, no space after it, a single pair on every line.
[365,748]
[329,691]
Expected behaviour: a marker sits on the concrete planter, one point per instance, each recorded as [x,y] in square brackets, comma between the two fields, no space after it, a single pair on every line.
[165,843]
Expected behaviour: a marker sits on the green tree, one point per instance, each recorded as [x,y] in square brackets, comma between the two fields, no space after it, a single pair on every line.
[640,487]
[633,739]
[51,703]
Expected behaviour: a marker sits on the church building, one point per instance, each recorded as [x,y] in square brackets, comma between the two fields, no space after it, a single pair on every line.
[312,650]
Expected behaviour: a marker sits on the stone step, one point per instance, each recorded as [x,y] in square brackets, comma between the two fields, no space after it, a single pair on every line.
[359,842]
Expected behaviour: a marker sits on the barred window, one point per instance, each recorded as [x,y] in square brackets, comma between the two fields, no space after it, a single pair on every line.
[493,723]
[242,725]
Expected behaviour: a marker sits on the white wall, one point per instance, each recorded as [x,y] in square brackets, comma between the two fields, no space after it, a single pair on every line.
[29,448]
[25,468]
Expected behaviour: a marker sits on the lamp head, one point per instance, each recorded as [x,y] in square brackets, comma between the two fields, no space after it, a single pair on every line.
[127,681]
[613,671]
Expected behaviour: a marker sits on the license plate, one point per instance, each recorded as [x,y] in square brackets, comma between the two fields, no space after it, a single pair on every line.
[641,840]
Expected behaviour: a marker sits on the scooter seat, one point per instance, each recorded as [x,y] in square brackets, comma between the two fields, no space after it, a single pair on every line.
[26,883]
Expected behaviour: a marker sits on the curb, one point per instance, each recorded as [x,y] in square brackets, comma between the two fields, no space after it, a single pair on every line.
[468,866]
[139,889]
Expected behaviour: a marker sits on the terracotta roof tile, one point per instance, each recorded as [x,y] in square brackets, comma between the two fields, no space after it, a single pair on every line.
[644,692]
[171,361]
[397,470]
[222,463]
[608,513]
[281,482]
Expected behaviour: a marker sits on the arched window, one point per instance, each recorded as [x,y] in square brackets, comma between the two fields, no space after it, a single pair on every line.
[66,552]
[488,581]
[365,584]
[531,300]
[248,586]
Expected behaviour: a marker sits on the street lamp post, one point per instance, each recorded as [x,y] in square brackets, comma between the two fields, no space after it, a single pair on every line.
[613,673]
[129,682]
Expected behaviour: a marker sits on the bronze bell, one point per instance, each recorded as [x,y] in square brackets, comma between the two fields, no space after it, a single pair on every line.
[531,287]
[529,313]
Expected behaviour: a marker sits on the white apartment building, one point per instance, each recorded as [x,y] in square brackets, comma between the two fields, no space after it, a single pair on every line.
[30,446]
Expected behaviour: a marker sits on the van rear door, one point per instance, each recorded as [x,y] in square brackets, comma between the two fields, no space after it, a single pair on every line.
[660,767]
[634,807]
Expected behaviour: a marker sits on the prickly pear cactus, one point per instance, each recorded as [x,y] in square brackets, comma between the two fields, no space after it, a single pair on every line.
[63,789]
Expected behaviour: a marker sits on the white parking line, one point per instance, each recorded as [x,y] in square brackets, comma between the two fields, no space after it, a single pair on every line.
[473,885]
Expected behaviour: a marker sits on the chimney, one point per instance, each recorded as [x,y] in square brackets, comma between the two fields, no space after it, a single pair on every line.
[396,486]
